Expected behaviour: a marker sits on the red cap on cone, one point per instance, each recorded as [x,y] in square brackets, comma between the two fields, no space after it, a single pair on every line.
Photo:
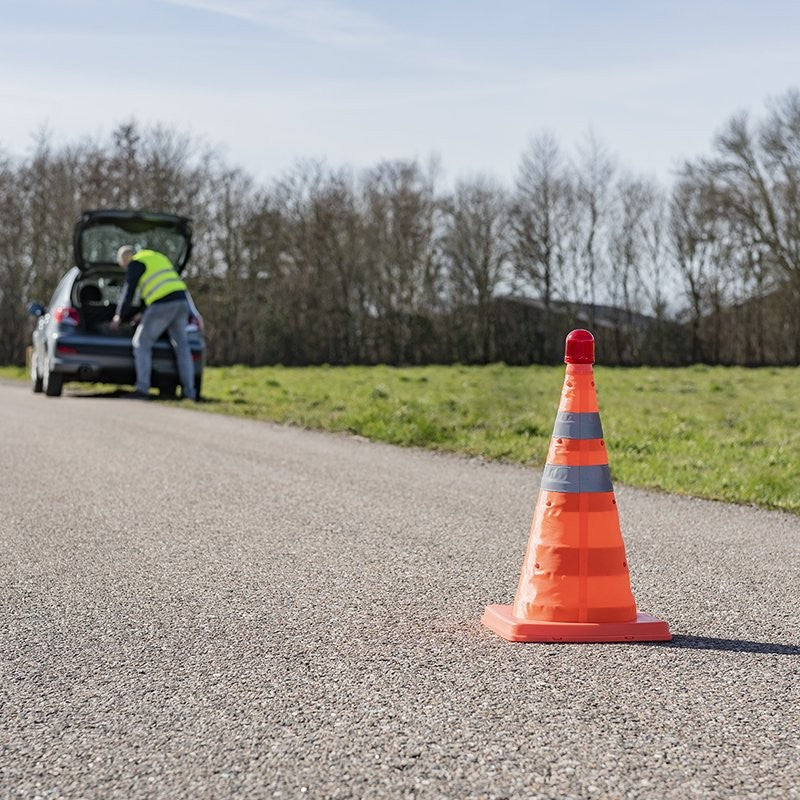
[579,348]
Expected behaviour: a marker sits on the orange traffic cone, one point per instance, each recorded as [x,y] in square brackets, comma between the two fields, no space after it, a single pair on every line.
[574,585]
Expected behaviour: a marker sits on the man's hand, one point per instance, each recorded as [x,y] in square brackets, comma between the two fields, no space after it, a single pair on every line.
[114,324]
[136,319]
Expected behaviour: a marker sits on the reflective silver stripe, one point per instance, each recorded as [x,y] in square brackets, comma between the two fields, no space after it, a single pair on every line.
[151,278]
[577,479]
[152,290]
[570,425]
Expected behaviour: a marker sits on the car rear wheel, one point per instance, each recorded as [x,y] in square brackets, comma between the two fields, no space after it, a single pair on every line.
[36,378]
[52,383]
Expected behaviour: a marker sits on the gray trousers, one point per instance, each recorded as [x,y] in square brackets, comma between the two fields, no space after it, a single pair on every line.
[156,319]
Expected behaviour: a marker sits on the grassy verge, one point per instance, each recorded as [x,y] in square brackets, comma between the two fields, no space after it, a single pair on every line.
[17,373]
[722,433]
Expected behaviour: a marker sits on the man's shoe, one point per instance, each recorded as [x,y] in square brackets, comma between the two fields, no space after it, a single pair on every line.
[139,396]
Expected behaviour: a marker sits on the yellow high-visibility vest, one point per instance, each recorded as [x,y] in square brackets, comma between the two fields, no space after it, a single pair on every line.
[160,277]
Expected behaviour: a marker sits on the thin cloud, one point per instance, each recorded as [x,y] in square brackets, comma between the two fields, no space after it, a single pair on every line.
[321,21]
[329,23]
[333,23]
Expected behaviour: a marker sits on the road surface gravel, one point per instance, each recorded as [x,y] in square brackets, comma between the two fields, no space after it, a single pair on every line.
[195,606]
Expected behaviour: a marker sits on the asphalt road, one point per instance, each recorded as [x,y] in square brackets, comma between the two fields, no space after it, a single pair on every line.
[200,607]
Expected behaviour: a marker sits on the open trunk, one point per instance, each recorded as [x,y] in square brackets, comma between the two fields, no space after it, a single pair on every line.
[95,296]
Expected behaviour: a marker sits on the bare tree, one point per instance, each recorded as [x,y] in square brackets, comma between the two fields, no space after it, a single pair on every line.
[541,213]
[627,243]
[402,219]
[756,172]
[235,297]
[14,278]
[323,262]
[594,176]
[703,250]
[476,249]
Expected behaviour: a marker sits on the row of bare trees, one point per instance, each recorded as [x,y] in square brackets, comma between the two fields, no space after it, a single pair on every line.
[325,265]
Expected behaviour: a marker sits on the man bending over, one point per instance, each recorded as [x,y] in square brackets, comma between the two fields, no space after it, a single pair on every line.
[165,309]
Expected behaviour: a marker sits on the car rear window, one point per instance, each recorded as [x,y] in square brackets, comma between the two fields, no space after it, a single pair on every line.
[99,243]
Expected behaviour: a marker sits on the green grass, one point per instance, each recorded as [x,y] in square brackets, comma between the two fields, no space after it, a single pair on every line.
[723,433]
[17,373]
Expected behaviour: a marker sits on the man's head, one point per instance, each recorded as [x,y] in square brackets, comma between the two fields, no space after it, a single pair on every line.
[124,255]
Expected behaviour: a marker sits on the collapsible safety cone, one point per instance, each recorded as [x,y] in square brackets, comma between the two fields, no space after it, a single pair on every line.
[574,585]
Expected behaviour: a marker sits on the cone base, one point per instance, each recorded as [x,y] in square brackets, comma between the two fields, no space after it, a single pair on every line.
[643,629]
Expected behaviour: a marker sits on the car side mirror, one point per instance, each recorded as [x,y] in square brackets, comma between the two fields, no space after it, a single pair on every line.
[35,309]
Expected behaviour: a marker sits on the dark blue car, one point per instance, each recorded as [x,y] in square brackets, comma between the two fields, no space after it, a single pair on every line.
[72,340]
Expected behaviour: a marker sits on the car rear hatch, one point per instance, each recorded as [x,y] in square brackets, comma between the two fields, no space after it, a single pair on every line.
[100,233]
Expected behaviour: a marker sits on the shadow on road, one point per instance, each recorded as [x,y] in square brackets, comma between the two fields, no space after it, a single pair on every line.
[109,394]
[733,645]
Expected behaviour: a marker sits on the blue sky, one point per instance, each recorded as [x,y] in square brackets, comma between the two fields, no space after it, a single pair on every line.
[272,81]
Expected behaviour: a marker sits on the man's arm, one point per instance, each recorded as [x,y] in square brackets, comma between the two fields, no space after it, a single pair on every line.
[132,275]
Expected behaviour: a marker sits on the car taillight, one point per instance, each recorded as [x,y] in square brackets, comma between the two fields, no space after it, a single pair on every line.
[67,315]
[66,350]
[197,321]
